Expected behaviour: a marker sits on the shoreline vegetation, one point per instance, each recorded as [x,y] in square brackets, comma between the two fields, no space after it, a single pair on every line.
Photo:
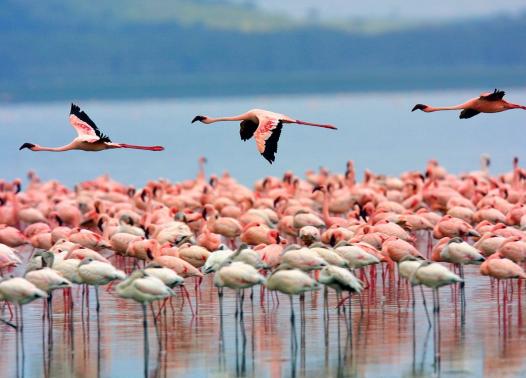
[58,49]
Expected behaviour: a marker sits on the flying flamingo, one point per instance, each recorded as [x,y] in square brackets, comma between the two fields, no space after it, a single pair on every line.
[489,102]
[264,126]
[89,138]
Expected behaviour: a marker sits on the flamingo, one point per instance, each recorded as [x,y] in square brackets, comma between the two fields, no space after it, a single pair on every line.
[238,276]
[97,273]
[407,268]
[291,282]
[215,260]
[489,102]
[309,235]
[89,138]
[460,253]
[434,275]
[340,279]
[20,291]
[265,126]
[144,289]
[329,255]
[47,279]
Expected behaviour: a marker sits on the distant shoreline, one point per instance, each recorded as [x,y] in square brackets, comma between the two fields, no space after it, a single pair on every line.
[235,85]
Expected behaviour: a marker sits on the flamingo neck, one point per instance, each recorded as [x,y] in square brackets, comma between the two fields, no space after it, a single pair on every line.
[325,208]
[440,108]
[67,147]
[241,117]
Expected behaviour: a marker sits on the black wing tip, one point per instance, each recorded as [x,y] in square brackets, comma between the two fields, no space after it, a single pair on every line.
[270,159]
[499,92]
[75,109]
[496,95]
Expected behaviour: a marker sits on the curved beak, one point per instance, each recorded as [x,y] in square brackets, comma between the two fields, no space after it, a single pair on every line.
[26,145]
[199,118]
[419,107]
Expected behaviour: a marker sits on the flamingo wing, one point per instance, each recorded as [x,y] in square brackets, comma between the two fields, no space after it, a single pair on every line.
[496,95]
[468,113]
[85,127]
[267,137]
[247,129]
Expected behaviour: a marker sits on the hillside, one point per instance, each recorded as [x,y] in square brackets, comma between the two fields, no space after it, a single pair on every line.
[60,49]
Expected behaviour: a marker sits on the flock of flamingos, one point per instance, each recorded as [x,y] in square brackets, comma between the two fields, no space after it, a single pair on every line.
[286,235]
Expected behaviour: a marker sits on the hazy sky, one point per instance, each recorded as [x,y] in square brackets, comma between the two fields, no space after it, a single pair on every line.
[395,8]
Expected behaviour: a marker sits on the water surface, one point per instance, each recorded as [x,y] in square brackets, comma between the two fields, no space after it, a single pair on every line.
[487,341]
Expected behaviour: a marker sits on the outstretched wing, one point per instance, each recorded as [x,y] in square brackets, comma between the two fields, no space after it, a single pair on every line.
[267,137]
[247,129]
[496,95]
[84,125]
[468,113]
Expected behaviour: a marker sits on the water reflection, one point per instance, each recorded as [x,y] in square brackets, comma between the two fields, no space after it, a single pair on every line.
[382,332]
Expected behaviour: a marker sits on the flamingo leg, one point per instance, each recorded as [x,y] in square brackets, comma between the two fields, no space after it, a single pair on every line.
[425,306]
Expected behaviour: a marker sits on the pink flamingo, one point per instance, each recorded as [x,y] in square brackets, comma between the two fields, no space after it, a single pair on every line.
[264,126]
[489,102]
[89,138]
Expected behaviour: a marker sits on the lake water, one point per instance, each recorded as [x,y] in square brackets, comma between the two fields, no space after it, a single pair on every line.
[376,130]
[384,341]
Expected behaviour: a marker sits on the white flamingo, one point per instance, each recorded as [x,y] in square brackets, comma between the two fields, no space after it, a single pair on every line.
[89,138]
[97,273]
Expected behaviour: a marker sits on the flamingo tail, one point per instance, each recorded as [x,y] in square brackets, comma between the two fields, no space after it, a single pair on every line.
[315,124]
[135,147]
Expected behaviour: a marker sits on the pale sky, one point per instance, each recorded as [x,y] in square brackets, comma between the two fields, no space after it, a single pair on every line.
[405,9]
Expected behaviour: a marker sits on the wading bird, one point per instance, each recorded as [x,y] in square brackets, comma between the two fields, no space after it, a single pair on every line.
[489,102]
[89,138]
[264,126]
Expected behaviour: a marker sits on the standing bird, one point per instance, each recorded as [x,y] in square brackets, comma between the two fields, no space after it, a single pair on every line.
[144,289]
[291,282]
[20,292]
[489,102]
[434,276]
[264,126]
[340,279]
[97,273]
[89,138]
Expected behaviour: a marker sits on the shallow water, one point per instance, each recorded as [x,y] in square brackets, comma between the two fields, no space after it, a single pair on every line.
[377,130]
[489,341]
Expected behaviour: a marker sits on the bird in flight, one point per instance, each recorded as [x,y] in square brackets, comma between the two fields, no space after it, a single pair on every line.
[264,126]
[89,138]
[490,102]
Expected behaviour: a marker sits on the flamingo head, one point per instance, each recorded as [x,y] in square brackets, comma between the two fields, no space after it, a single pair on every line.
[200,118]
[29,146]
[274,236]
[421,107]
